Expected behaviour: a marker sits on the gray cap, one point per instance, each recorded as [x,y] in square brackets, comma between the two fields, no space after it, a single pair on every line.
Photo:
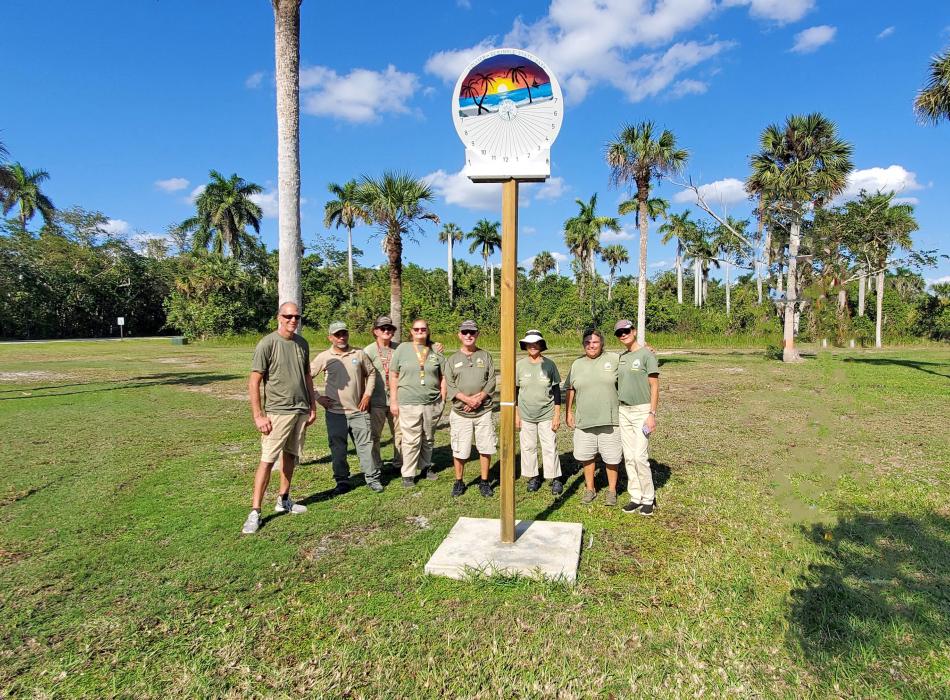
[468,325]
[337,326]
[383,321]
[622,325]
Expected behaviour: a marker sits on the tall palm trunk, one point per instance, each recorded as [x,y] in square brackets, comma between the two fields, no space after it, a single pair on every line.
[485,268]
[862,290]
[643,192]
[697,284]
[287,73]
[491,275]
[728,291]
[790,354]
[610,285]
[705,288]
[451,274]
[679,271]
[394,252]
[880,309]
[349,257]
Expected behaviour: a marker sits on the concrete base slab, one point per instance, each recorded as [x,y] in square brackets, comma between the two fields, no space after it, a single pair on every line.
[541,549]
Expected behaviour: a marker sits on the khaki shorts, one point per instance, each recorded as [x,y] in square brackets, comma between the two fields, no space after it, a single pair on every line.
[463,429]
[287,435]
[603,440]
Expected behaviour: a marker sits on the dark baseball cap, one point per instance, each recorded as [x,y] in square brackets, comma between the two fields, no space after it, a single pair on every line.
[468,325]
[622,325]
[383,321]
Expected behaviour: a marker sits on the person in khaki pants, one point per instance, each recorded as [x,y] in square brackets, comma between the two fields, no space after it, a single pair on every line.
[282,365]
[538,412]
[417,396]
[638,388]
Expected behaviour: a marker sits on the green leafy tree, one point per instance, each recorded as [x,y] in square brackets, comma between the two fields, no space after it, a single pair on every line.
[542,264]
[678,226]
[486,239]
[799,166]
[224,210]
[582,237]
[615,256]
[933,102]
[395,203]
[637,155]
[344,211]
[701,252]
[22,189]
[730,250]
[451,234]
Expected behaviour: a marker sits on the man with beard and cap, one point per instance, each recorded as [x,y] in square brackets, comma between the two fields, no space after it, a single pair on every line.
[350,378]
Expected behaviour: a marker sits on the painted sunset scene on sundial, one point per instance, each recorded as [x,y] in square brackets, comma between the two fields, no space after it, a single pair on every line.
[499,78]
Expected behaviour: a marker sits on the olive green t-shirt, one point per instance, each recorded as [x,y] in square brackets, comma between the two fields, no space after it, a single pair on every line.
[413,389]
[632,384]
[536,382]
[381,359]
[470,374]
[285,365]
[595,390]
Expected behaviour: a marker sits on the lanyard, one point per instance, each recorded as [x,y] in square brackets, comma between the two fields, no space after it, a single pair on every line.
[385,360]
[421,357]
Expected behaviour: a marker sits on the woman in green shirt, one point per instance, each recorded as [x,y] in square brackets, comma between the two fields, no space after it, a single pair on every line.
[538,412]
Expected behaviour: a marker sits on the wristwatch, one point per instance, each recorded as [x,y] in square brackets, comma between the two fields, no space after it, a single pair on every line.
[653,413]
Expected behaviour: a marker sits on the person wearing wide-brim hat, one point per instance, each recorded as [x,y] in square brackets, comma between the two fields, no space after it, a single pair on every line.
[538,412]
[591,386]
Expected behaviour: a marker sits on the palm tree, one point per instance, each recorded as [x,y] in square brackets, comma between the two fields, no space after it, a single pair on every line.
[582,236]
[486,238]
[451,234]
[287,74]
[543,263]
[517,73]
[678,226]
[802,164]
[22,189]
[933,102]
[880,227]
[615,256]
[395,203]
[700,251]
[636,156]
[344,211]
[6,177]
[730,250]
[486,81]
[224,210]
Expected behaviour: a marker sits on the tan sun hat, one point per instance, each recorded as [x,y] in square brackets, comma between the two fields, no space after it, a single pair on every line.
[533,336]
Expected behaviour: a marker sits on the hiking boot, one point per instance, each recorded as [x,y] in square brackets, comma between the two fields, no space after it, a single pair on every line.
[534,483]
[375,486]
[458,488]
[484,488]
[252,524]
[611,498]
[429,474]
[287,505]
[557,488]
[408,482]
[341,488]
[646,509]
[588,496]
[631,507]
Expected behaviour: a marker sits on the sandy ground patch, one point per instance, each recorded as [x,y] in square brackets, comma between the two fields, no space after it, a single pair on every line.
[32,376]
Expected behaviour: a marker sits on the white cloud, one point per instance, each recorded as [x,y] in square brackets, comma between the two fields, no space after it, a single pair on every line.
[894,178]
[594,42]
[195,193]
[688,87]
[938,280]
[906,200]
[116,227]
[527,230]
[661,263]
[254,80]
[624,234]
[727,191]
[267,201]
[886,33]
[360,96]
[813,38]
[172,184]
[781,11]
[457,189]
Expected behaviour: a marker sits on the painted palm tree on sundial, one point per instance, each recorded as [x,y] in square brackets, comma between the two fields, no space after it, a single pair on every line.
[516,73]
[486,82]
[486,239]
[451,234]
[639,156]
[224,211]
[344,211]
[582,236]
[22,189]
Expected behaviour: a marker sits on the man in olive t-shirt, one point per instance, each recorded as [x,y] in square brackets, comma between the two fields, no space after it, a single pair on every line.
[282,366]
[470,377]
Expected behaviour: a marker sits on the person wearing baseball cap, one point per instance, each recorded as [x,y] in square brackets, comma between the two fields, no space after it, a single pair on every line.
[470,378]
[380,353]
[638,388]
[350,377]
[538,412]
[591,386]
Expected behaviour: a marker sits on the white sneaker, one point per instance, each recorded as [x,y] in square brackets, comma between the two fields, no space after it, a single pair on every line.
[287,505]
[252,524]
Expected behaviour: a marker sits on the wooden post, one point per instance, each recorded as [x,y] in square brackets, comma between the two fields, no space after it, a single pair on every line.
[509,292]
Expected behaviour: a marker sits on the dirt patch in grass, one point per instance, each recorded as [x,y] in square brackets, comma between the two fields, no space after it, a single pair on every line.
[218,392]
[32,376]
[338,541]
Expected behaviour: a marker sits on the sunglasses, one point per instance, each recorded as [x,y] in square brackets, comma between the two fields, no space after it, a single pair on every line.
[291,317]
[420,330]
[340,334]
[624,331]
[469,332]
[387,329]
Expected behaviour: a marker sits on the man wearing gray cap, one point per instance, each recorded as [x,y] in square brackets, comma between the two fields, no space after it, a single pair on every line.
[380,353]
[350,378]
[470,378]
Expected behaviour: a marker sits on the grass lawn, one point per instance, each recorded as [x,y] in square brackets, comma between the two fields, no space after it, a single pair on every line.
[800,549]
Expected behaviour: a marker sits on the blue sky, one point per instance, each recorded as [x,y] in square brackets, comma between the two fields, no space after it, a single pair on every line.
[129,104]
